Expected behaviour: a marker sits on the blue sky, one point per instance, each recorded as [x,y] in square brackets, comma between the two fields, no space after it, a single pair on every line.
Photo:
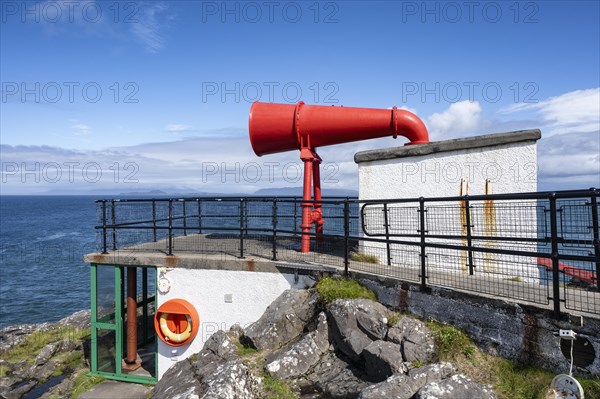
[160,91]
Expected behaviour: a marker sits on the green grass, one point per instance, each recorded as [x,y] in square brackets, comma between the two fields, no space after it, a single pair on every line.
[83,383]
[360,257]
[393,320]
[243,350]
[450,340]
[331,289]
[510,381]
[31,346]
[68,361]
[277,389]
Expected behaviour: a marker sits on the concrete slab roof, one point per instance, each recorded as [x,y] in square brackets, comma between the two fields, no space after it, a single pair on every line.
[487,140]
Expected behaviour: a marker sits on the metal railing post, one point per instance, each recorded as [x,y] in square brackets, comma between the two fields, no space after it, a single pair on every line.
[388,247]
[104,240]
[295,216]
[346,236]
[274,224]
[184,220]
[199,216]
[170,248]
[469,236]
[554,255]
[154,220]
[113,218]
[596,234]
[242,205]
[422,234]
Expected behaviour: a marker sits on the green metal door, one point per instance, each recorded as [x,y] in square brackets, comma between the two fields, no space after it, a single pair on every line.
[108,322]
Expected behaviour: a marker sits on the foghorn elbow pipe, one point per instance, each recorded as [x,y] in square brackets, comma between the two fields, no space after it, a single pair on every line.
[277,128]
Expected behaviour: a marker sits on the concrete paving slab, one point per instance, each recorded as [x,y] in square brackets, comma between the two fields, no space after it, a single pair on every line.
[117,389]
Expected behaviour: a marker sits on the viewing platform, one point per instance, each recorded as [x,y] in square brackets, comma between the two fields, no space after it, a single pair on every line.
[379,238]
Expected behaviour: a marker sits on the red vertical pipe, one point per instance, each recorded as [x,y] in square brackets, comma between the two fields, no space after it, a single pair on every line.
[306,204]
[131,315]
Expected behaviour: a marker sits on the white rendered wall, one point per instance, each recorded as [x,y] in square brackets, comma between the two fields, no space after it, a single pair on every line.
[251,293]
[510,168]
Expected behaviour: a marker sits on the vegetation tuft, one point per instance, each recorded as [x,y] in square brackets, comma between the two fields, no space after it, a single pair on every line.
[84,382]
[244,350]
[31,346]
[509,380]
[331,289]
[393,320]
[360,257]
[277,389]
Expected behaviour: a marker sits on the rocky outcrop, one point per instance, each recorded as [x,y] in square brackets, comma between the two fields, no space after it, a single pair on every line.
[457,386]
[417,340]
[284,320]
[298,358]
[383,359]
[40,369]
[81,319]
[332,377]
[402,386]
[355,323]
[217,373]
[179,382]
[21,377]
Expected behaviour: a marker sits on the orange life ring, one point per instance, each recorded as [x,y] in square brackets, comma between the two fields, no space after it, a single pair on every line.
[176,322]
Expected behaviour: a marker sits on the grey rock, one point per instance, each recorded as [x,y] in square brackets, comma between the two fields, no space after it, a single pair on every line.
[355,323]
[18,391]
[373,321]
[300,357]
[217,373]
[46,353]
[417,340]
[382,360]
[79,320]
[217,349]
[400,386]
[179,382]
[333,378]
[43,372]
[60,390]
[432,372]
[457,386]
[236,331]
[14,335]
[284,320]
[232,380]
[66,345]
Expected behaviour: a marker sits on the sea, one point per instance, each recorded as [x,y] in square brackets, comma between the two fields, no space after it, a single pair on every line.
[42,242]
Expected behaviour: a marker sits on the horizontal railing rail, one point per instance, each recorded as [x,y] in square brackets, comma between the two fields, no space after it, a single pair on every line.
[513,245]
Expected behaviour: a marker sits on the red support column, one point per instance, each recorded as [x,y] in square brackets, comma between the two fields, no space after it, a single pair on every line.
[307,158]
[131,358]
[317,214]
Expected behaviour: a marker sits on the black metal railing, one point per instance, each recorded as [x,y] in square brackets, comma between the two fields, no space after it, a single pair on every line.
[541,248]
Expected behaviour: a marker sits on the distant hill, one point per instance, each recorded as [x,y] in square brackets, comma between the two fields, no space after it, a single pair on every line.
[297,191]
[276,192]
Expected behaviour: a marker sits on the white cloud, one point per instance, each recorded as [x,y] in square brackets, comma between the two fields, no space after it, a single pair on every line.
[149,26]
[461,117]
[80,129]
[144,22]
[223,161]
[576,111]
[178,128]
